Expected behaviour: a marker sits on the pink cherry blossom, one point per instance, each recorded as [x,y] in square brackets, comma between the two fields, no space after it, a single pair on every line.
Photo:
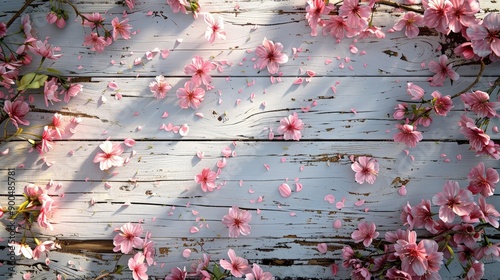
[50,92]
[442,70]
[408,135]
[478,139]
[466,51]
[365,233]
[44,248]
[366,169]
[215,29]
[314,10]
[237,221]
[466,234]
[121,28]
[199,69]
[462,14]
[45,50]
[475,271]
[46,143]
[411,22]
[17,110]
[485,37]
[190,95]
[478,102]
[356,15]
[206,179]
[178,6]
[110,156]
[258,274]
[128,238]
[71,91]
[414,91]
[270,56]
[490,214]
[479,183]
[148,249]
[93,20]
[159,87]
[413,256]
[238,266]
[453,200]
[436,14]
[396,274]
[291,127]
[130,4]
[338,28]
[177,274]
[441,104]
[95,42]
[400,111]
[422,216]
[138,267]
[57,125]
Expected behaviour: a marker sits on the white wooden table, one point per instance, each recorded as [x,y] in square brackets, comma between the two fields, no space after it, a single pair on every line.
[157,186]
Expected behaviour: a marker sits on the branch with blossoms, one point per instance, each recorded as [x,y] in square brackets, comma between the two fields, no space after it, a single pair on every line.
[457,230]
[35,211]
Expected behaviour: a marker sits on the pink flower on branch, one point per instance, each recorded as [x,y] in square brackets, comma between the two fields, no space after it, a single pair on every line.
[177,274]
[291,127]
[462,14]
[478,139]
[238,265]
[110,156]
[215,29]
[199,70]
[237,221]
[482,181]
[270,56]
[453,201]
[178,6]
[314,10]
[365,233]
[50,91]
[206,179]
[17,110]
[414,91]
[478,102]
[258,274]
[338,28]
[138,267]
[128,238]
[411,22]
[44,50]
[413,256]
[442,70]
[190,95]
[366,169]
[490,214]
[485,37]
[95,42]
[441,104]
[121,28]
[356,15]
[436,14]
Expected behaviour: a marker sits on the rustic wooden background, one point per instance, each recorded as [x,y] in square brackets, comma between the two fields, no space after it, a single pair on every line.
[157,186]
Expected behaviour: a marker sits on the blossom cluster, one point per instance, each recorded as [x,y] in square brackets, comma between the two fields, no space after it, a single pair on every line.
[404,257]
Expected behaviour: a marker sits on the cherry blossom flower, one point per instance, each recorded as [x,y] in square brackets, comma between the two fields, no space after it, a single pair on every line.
[401,111]
[159,87]
[479,183]
[206,179]
[490,214]
[466,51]
[422,216]
[46,143]
[466,234]
[462,14]
[411,22]
[478,102]
[21,249]
[44,247]
[59,18]
[44,50]
[111,156]
[57,125]
[121,28]
[365,233]
[372,32]
[478,139]
[199,69]
[177,274]
[338,28]
[413,256]
[71,91]
[485,37]
[394,273]
[3,29]
[453,200]
[436,14]
[237,221]
[441,104]
[258,274]
[408,135]
[366,169]
[356,15]
[314,10]
[130,4]
[93,20]
[215,29]
[148,249]
[270,56]
[128,238]
[50,92]
[475,271]
[361,273]
[17,110]
[178,6]
[190,95]
[95,42]
[138,267]
[291,127]
[414,91]
[442,71]
[238,265]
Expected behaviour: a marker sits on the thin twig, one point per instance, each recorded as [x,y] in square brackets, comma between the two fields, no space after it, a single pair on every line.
[478,77]
[26,5]
[396,5]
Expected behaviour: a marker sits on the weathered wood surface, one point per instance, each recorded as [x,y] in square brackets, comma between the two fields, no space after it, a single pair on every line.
[157,185]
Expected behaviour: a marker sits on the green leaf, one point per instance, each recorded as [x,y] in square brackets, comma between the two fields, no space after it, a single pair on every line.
[118,269]
[31,80]
[217,272]
[54,71]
